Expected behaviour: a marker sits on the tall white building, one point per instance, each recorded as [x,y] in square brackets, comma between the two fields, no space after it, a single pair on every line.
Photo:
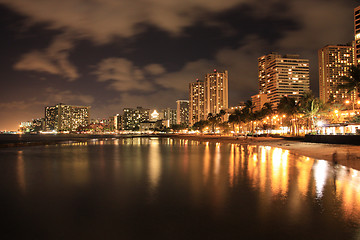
[284,76]
[182,112]
[216,92]
[169,116]
[196,101]
[334,63]
[357,35]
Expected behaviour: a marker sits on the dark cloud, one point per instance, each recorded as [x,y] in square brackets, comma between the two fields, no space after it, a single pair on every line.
[53,60]
[145,52]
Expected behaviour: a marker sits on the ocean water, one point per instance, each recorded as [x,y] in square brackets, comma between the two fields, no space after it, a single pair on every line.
[160,188]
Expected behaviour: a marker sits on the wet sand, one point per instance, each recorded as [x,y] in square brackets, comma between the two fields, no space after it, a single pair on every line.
[347,155]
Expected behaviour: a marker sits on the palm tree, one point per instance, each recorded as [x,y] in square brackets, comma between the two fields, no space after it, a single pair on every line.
[352,82]
[200,125]
[266,110]
[249,106]
[289,107]
[310,107]
[235,118]
[213,120]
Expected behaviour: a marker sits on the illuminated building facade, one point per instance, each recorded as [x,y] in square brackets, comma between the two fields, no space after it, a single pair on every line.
[64,118]
[216,92]
[182,112]
[169,117]
[118,122]
[156,115]
[284,76]
[263,63]
[134,116]
[196,101]
[334,63]
[35,125]
[258,101]
[357,35]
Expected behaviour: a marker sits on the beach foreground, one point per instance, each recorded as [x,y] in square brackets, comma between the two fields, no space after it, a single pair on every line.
[347,155]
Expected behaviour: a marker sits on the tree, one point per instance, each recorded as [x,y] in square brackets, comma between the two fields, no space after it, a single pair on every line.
[200,125]
[310,107]
[235,118]
[265,110]
[249,106]
[213,120]
[351,82]
[289,107]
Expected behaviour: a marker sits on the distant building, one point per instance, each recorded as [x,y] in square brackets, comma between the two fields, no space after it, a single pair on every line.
[118,122]
[169,117]
[357,35]
[334,63]
[258,101]
[196,101]
[155,115]
[134,116]
[216,92]
[182,112]
[150,125]
[63,117]
[238,107]
[147,125]
[35,125]
[283,76]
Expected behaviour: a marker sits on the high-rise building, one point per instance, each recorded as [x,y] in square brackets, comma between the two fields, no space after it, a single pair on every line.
[334,63]
[118,122]
[134,116]
[182,112]
[196,101]
[284,76]
[169,116]
[216,92]
[263,66]
[63,117]
[357,35]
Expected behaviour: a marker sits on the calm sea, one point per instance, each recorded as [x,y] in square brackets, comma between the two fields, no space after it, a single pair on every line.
[159,188]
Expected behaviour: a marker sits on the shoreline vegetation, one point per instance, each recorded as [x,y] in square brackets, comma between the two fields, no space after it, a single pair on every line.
[347,155]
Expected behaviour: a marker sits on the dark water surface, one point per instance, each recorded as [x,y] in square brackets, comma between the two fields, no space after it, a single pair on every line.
[174,189]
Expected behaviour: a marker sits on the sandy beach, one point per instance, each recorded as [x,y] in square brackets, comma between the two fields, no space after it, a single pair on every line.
[347,155]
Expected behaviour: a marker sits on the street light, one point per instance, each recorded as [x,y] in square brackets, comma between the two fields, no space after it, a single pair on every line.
[353,104]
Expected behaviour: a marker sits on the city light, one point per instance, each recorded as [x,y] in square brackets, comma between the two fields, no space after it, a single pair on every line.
[320,123]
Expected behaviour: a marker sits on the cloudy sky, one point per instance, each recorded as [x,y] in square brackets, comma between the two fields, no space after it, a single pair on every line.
[112,54]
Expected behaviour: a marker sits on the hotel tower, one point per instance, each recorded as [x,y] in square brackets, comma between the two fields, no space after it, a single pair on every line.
[196,101]
[208,96]
[63,117]
[216,92]
[357,35]
[281,76]
[334,63]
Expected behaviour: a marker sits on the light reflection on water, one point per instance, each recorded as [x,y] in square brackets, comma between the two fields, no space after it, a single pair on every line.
[269,183]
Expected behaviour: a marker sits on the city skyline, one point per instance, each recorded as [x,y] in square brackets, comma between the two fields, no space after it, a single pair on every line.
[136,57]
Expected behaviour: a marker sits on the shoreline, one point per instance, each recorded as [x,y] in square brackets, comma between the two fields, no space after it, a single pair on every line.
[347,155]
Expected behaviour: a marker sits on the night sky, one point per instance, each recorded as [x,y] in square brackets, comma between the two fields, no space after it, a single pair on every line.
[111,54]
